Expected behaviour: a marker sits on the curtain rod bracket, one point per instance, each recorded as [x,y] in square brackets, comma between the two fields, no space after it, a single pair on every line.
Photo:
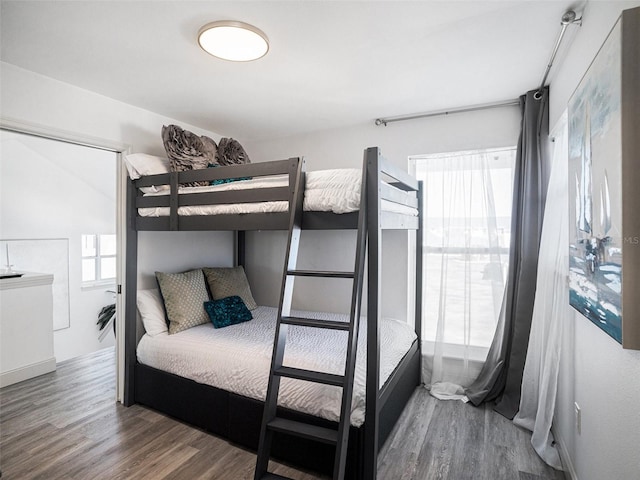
[569,18]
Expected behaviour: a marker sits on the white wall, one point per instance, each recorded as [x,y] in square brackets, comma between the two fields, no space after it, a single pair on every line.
[344,147]
[36,99]
[52,189]
[41,101]
[595,371]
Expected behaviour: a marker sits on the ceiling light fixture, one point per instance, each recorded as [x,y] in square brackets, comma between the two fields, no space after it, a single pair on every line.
[235,41]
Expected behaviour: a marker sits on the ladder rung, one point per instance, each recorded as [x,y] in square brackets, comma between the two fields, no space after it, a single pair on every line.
[273,476]
[304,430]
[313,322]
[311,376]
[318,273]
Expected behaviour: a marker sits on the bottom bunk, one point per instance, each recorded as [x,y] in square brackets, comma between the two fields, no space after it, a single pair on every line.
[238,418]
[216,379]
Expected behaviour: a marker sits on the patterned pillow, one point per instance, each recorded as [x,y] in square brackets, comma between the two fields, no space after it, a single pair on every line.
[188,151]
[227,282]
[227,311]
[183,294]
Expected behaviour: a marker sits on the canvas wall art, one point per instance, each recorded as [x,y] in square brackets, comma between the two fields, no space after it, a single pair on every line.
[603,275]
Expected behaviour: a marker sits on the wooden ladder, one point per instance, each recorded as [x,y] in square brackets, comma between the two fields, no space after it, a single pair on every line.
[270,421]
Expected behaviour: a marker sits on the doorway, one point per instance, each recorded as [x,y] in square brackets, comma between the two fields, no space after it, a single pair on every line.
[57,195]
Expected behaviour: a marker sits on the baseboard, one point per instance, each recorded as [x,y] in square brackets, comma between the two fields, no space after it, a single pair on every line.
[27,372]
[569,469]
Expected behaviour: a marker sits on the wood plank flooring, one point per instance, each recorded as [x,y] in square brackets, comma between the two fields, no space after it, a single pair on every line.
[66,425]
[450,440]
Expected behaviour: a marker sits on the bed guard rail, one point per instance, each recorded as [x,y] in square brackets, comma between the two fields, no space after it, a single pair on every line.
[292,167]
[398,188]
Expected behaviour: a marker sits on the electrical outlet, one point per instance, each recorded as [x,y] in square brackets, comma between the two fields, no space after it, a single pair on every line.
[578,415]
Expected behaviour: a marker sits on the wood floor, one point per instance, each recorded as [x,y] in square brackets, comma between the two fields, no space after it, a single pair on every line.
[66,425]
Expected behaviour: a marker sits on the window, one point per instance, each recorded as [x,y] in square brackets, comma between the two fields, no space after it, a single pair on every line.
[98,259]
[467,220]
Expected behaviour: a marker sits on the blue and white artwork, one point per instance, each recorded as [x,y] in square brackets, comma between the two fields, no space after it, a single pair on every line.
[595,169]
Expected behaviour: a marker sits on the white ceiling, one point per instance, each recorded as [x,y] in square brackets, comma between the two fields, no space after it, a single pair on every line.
[331,63]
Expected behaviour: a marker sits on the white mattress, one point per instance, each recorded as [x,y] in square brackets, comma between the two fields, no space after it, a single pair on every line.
[238,358]
[336,191]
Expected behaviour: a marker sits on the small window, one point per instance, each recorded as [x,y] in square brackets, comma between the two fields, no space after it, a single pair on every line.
[98,259]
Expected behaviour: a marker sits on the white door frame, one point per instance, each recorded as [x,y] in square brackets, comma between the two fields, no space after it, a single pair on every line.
[120,150]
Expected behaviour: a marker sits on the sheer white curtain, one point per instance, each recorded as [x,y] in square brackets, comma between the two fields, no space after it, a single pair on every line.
[550,311]
[467,225]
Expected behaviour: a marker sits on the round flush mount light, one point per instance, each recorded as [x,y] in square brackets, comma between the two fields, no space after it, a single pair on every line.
[235,41]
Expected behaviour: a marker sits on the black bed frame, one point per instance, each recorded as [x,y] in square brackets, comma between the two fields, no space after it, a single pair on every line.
[236,417]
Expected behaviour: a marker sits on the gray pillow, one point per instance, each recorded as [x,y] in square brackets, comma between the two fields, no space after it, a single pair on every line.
[230,152]
[227,282]
[188,151]
[184,295]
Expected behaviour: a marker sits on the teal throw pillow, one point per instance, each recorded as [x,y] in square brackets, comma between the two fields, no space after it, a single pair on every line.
[227,311]
[222,181]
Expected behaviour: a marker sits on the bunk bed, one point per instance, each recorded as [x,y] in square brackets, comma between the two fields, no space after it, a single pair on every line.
[393,201]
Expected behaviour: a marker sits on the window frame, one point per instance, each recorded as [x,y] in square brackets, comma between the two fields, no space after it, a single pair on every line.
[97,258]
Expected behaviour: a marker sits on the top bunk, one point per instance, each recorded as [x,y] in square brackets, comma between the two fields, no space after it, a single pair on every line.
[259,196]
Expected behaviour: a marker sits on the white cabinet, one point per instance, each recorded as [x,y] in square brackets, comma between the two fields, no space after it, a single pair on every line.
[26,327]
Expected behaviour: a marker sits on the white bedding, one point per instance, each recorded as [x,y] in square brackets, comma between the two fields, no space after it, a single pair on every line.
[336,191]
[237,359]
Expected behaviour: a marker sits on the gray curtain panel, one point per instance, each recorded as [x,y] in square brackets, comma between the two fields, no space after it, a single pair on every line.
[501,376]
